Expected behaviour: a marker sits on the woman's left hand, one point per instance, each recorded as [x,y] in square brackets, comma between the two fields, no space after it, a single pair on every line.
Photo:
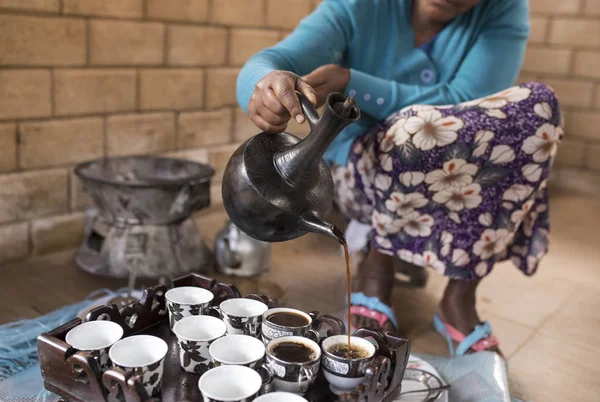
[326,79]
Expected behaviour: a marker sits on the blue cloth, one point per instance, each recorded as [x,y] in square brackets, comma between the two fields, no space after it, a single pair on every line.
[373,303]
[476,54]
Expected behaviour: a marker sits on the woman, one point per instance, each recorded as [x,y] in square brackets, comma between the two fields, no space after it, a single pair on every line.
[456,187]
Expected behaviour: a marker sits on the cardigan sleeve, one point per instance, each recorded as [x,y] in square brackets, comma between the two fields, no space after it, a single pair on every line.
[321,38]
[490,66]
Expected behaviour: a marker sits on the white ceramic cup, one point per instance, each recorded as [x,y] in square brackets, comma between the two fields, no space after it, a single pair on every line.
[230,384]
[96,337]
[194,335]
[241,350]
[342,374]
[280,397]
[242,316]
[186,301]
[142,355]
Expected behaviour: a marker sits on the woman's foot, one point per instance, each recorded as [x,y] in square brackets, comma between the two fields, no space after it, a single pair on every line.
[457,307]
[375,279]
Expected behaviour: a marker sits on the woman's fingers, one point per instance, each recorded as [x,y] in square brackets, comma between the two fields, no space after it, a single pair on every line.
[265,125]
[273,119]
[306,90]
[271,102]
[286,94]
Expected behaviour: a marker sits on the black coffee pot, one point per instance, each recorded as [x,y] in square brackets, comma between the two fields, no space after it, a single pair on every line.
[277,187]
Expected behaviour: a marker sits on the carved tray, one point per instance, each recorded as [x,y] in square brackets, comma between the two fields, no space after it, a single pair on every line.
[76,376]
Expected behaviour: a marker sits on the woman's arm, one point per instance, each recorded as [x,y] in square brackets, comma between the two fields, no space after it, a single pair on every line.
[492,65]
[321,38]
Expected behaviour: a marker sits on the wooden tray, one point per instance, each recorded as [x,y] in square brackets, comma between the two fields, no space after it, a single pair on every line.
[76,376]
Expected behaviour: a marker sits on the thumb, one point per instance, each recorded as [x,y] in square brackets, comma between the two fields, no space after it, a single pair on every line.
[306,90]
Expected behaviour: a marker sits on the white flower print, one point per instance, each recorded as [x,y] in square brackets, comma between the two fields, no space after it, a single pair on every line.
[482,140]
[491,242]
[460,258]
[543,109]
[532,172]
[398,134]
[429,260]
[519,214]
[358,148]
[383,242]
[403,204]
[383,182]
[365,165]
[386,162]
[485,219]
[415,224]
[430,129]
[481,269]
[344,176]
[502,154]
[447,239]
[517,192]
[405,255]
[383,224]
[455,217]
[455,172]
[387,142]
[411,179]
[459,198]
[519,250]
[532,261]
[543,144]
[497,101]
[508,205]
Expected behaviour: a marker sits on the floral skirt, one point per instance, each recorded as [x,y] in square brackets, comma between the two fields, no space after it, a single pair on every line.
[458,188]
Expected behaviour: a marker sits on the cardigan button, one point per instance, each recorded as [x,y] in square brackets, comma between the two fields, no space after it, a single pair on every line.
[352,92]
[367,97]
[427,76]
[380,101]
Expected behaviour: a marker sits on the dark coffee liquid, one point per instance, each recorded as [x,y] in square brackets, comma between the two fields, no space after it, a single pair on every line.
[355,352]
[288,319]
[293,352]
[342,240]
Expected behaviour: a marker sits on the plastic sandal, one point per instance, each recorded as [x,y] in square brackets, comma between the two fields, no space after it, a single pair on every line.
[373,308]
[479,340]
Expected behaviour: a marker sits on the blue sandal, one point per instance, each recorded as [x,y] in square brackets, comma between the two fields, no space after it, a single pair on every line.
[373,308]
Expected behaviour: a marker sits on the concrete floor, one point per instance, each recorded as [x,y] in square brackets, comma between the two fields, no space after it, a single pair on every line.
[548,325]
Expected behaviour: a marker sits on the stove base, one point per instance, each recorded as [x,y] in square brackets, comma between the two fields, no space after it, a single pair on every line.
[148,251]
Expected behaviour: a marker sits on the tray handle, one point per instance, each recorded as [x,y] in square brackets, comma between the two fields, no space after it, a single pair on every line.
[224,291]
[271,303]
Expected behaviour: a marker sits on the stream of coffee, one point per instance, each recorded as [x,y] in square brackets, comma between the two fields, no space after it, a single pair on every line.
[341,238]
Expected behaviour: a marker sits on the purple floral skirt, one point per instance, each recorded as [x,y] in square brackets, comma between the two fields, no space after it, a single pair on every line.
[458,188]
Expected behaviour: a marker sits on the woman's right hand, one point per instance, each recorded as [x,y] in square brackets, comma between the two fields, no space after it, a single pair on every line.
[274,101]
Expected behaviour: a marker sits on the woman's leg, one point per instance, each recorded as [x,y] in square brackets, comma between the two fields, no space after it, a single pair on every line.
[455,189]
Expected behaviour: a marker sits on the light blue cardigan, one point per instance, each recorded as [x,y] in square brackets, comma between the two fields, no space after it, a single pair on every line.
[477,54]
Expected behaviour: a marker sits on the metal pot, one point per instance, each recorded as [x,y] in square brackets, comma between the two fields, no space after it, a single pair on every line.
[238,254]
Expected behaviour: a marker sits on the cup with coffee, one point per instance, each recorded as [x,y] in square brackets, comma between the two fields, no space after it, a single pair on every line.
[242,316]
[241,350]
[293,362]
[230,384]
[344,368]
[142,355]
[195,336]
[187,301]
[95,337]
[279,322]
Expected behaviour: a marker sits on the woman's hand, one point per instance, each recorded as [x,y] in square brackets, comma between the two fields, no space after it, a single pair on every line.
[327,79]
[274,101]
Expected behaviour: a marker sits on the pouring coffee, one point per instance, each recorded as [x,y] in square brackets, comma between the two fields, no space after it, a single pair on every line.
[277,187]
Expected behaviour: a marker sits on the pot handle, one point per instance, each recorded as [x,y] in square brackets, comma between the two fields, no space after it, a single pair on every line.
[309,111]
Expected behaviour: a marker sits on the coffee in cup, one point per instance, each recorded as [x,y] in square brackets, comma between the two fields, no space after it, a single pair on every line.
[293,362]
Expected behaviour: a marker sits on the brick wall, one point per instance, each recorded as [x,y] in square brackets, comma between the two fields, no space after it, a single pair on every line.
[82,79]
[564,52]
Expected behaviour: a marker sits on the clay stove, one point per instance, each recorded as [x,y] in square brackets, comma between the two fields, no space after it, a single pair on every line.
[142,225]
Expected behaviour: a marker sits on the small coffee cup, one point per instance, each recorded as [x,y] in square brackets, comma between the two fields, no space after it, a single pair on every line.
[95,337]
[279,322]
[241,350]
[241,316]
[293,362]
[230,384]
[342,373]
[187,301]
[142,355]
[195,334]
[280,397]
